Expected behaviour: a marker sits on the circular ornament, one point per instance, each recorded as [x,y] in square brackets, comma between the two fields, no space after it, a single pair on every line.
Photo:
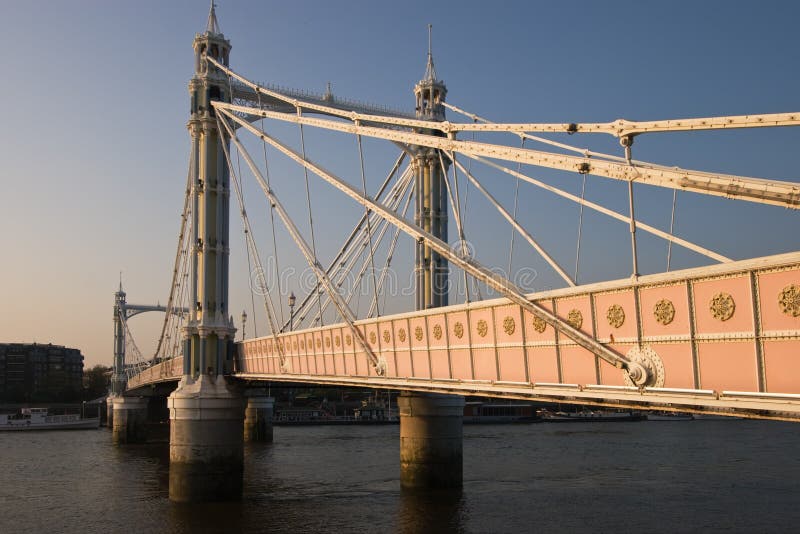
[483,328]
[348,339]
[386,337]
[664,311]
[319,343]
[509,325]
[722,306]
[615,315]
[789,301]
[437,331]
[402,335]
[327,342]
[295,346]
[373,338]
[649,364]
[458,330]
[338,341]
[575,318]
[418,333]
[303,344]
[539,325]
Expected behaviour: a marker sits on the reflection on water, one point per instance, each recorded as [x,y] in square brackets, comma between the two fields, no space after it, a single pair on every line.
[711,476]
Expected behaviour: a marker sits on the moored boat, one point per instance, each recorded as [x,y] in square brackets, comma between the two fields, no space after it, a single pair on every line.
[669,416]
[40,419]
[588,416]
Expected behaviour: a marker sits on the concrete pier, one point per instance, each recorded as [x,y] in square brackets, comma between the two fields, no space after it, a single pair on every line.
[205,441]
[129,420]
[258,418]
[431,440]
[110,411]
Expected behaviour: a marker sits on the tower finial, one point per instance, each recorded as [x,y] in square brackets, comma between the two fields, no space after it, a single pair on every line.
[120,281]
[213,25]
[430,71]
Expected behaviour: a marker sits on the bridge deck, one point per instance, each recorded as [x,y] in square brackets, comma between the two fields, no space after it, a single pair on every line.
[728,336]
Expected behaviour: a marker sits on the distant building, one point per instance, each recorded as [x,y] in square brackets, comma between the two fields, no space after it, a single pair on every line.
[34,372]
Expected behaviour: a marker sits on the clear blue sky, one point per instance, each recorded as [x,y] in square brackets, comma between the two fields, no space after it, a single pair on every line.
[94,145]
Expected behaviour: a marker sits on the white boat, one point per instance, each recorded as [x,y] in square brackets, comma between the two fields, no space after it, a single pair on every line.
[40,419]
[669,416]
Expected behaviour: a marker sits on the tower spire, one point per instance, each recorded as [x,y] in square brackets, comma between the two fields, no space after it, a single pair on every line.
[213,24]
[430,71]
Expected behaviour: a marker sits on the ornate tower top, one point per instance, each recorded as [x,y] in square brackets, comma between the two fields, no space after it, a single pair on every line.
[429,91]
[213,26]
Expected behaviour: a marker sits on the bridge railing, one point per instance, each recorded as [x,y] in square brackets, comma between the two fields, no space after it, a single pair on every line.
[161,372]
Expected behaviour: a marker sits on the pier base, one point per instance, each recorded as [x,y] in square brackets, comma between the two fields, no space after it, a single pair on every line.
[258,418]
[205,441]
[129,420]
[431,440]
[110,412]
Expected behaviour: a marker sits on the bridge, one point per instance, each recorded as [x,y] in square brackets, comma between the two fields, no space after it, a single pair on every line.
[722,338]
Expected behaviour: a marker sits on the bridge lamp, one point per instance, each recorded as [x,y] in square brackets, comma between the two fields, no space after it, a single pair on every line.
[292,301]
[244,321]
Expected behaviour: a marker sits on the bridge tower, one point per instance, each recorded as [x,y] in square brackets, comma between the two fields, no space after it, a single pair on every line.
[118,378]
[431,433]
[206,443]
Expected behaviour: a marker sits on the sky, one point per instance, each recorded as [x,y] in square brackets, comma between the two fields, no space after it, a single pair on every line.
[94,147]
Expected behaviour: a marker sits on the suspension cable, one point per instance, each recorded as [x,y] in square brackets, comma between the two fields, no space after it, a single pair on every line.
[528,237]
[390,255]
[310,216]
[580,227]
[250,241]
[366,211]
[249,265]
[516,202]
[620,217]
[454,202]
[671,227]
[347,243]
[344,310]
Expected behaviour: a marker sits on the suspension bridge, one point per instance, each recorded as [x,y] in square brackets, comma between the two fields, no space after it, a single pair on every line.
[722,338]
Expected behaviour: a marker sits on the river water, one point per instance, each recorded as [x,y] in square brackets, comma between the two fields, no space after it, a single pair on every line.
[670,476]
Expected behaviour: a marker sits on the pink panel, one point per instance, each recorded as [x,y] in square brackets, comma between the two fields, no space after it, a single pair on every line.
[648,297]
[297,366]
[373,337]
[404,363]
[303,364]
[770,286]
[623,299]
[440,364]
[401,335]
[271,365]
[782,363]
[312,365]
[531,334]
[457,324]
[610,375]
[481,321]
[582,304]
[543,364]
[338,366]
[420,361]
[391,366]
[678,369]
[364,366]
[485,364]
[507,319]
[327,342]
[577,366]
[317,343]
[338,341]
[417,334]
[739,289]
[512,364]
[349,364]
[462,366]
[436,325]
[386,331]
[728,366]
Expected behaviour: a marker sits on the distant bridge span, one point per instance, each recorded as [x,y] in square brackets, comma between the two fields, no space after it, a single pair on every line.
[727,336]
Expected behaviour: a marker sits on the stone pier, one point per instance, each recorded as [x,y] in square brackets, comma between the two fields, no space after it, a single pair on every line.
[129,419]
[431,440]
[110,411]
[258,418]
[205,442]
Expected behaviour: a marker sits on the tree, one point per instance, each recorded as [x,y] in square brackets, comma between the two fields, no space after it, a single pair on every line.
[95,382]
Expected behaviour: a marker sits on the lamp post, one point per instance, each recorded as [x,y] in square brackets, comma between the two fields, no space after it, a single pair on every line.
[244,321]
[292,300]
